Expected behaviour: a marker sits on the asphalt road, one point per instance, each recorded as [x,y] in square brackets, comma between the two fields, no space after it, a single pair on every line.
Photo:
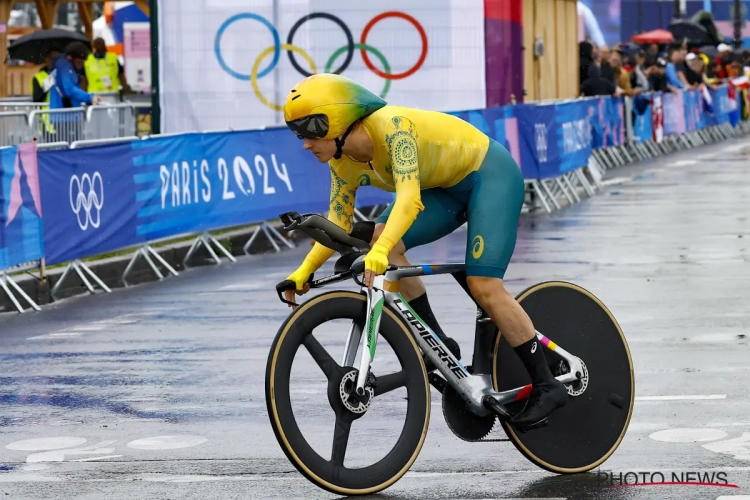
[157,391]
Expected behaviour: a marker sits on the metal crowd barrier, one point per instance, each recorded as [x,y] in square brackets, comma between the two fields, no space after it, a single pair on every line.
[28,120]
[111,120]
[14,128]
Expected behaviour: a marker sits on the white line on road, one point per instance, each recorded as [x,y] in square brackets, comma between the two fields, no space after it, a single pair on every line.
[616,180]
[689,397]
[95,458]
[244,287]
[56,335]
[682,163]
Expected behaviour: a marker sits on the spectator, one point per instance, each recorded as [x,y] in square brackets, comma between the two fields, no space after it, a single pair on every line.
[658,76]
[639,76]
[723,60]
[587,66]
[693,71]
[621,75]
[606,69]
[675,79]
[66,93]
[42,82]
[103,69]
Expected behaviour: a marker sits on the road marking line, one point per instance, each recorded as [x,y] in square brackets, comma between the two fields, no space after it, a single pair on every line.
[56,335]
[691,397]
[95,458]
[46,444]
[166,442]
[244,287]
[688,435]
[738,447]
[682,163]
[617,180]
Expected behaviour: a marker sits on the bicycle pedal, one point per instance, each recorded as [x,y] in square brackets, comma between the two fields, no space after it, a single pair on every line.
[491,403]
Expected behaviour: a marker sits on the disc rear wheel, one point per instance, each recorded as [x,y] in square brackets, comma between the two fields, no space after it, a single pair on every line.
[584,433]
[330,472]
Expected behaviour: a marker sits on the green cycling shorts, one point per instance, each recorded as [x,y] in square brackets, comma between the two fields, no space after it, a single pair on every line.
[490,199]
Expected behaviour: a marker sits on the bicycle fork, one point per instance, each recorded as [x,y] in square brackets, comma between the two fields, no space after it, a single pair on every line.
[375,301]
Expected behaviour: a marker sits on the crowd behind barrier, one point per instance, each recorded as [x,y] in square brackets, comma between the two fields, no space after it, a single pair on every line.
[66,202]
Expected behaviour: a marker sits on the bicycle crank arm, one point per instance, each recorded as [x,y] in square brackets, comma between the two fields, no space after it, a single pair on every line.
[375,301]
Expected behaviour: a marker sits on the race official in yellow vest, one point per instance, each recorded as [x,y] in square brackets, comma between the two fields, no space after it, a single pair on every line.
[104,73]
[41,84]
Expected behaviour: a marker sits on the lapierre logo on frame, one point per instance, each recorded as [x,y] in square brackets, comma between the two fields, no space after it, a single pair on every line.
[608,479]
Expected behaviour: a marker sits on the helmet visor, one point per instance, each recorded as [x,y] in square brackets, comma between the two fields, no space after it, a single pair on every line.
[310,127]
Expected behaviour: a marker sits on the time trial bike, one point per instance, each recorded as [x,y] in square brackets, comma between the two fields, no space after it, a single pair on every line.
[584,346]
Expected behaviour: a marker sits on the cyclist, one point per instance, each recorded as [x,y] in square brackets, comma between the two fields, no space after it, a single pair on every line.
[444,172]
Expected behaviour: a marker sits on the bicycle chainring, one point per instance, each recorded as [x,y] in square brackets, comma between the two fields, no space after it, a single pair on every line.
[463,422]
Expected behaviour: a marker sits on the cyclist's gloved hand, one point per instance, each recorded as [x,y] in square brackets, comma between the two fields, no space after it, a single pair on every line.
[376,259]
[302,274]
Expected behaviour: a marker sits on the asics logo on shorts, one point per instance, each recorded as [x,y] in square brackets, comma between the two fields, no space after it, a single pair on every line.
[533,347]
[87,199]
[477,246]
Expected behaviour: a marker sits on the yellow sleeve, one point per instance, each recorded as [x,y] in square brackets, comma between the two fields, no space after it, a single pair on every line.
[341,213]
[401,140]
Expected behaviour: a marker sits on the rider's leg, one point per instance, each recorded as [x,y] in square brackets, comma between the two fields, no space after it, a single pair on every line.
[438,218]
[496,194]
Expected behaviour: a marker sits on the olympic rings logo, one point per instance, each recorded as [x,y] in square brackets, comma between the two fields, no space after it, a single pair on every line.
[256,73]
[86,200]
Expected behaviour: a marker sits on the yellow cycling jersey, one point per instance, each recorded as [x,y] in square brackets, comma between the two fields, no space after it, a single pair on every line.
[414,149]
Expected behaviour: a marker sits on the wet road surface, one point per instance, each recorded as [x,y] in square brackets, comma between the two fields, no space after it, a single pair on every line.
[157,391]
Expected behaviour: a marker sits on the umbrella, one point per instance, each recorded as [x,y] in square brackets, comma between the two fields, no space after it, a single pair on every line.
[695,33]
[656,36]
[32,47]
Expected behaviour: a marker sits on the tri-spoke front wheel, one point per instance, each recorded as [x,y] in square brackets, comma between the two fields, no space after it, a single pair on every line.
[330,473]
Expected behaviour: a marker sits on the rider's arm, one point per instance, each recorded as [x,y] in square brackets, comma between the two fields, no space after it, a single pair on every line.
[401,140]
[341,213]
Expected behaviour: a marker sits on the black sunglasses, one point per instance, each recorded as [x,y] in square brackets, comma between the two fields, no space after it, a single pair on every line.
[310,126]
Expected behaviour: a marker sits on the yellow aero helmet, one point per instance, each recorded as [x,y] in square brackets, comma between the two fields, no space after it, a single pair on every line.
[324,106]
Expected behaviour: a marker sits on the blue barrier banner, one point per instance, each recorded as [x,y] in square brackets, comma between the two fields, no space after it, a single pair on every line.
[536,123]
[89,202]
[643,129]
[197,182]
[555,139]
[21,238]
[500,124]
[573,138]
[674,112]
[718,106]
[693,112]
[608,127]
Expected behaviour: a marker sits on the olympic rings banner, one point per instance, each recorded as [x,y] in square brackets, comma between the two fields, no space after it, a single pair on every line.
[88,202]
[230,64]
[20,206]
